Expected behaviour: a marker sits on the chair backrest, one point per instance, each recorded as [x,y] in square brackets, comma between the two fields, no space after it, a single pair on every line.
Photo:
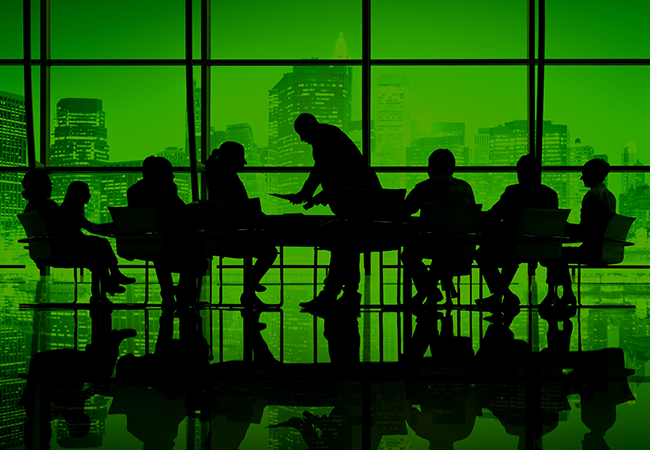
[33,224]
[543,222]
[225,214]
[136,219]
[618,227]
[450,218]
[613,246]
[371,204]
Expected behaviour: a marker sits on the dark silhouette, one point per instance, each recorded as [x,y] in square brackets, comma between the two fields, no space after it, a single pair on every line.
[337,164]
[343,338]
[501,222]
[66,222]
[56,381]
[157,189]
[224,184]
[598,206]
[441,187]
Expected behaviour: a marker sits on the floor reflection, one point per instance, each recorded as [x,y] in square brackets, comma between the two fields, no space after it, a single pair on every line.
[213,377]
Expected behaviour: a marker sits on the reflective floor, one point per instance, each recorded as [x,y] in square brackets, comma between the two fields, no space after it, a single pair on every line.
[220,377]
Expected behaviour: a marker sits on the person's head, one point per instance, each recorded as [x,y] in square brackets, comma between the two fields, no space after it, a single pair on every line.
[441,162]
[306,126]
[37,185]
[229,156]
[157,169]
[594,172]
[529,170]
[78,192]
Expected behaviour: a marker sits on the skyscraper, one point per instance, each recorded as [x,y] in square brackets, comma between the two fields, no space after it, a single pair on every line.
[630,180]
[482,147]
[325,92]
[13,152]
[393,121]
[80,139]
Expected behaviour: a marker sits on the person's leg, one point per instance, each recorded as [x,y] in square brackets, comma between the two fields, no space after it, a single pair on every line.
[166,283]
[333,283]
[422,279]
[265,259]
[485,258]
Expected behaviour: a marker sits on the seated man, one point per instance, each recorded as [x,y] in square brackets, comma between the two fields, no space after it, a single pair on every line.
[157,188]
[501,225]
[441,187]
[598,206]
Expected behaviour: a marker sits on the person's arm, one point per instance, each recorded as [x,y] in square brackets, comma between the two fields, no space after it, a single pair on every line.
[307,192]
[413,202]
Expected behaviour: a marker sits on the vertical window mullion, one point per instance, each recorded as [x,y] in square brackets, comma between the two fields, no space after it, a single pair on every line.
[531,77]
[366,79]
[45,82]
[189,85]
[27,71]
[540,77]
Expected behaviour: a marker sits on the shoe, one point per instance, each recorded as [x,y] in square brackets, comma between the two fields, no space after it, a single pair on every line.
[252,301]
[260,288]
[322,299]
[489,303]
[122,279]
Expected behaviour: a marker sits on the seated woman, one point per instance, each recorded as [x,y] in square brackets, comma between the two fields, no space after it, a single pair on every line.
[67,221]
[224,185]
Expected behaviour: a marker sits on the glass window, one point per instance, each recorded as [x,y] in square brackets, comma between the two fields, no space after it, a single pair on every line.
[605,108]
[118,115]
[118,29]
[11,29]
[286,29]
[441,29]
[479,113]
[597,29]
[13,128]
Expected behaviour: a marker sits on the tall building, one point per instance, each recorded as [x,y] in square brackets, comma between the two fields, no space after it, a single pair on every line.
[508,142]
[482,147]
[13,153]
[630,180]
[80,138]
[393,122]
[325,92]
[12,364]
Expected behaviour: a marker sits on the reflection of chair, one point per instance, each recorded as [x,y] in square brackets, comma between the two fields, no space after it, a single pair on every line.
[606,251]
[449,240]
[47,251]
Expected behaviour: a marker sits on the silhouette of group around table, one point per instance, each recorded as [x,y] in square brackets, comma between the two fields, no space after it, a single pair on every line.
[178,380]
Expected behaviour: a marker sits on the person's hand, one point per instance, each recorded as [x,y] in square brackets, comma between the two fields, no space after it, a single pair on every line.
[296,199]
[318,199]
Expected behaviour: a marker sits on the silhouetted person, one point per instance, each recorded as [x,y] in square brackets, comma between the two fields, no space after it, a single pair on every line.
[74,220]
[598,207]
[441,187]
[501,228]
[224,184]
[66,222]
[157,189]
[337,164]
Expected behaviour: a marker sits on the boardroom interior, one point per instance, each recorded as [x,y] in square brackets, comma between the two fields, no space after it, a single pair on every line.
[89,90]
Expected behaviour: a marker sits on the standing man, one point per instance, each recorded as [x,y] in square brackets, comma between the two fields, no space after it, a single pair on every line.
[337,163]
